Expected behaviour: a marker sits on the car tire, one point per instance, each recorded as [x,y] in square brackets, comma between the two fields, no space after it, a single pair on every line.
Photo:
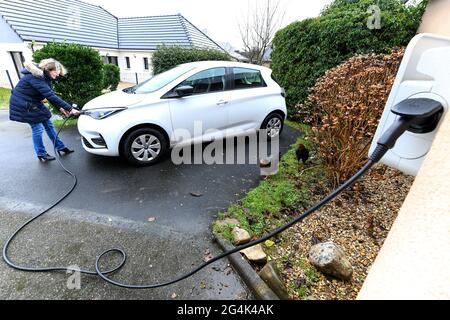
[145,147]
[273,122]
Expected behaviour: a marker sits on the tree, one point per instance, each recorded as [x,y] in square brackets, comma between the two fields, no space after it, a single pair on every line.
[84,81]
[168,57]
[111,77]
[259,28]
[305,50]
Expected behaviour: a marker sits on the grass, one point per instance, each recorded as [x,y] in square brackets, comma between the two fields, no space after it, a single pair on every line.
[70,123]
[311,276]
[278,198]
[4,98]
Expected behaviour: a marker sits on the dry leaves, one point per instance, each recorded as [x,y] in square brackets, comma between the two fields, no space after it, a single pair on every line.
[207,256]
[346,105]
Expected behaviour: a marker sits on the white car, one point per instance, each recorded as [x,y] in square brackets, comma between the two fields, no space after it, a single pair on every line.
[139,123]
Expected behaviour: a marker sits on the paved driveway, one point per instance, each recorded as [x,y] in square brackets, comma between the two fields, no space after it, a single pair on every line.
[109,186]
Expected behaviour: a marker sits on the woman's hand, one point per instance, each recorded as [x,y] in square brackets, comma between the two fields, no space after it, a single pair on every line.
[65,112]
[74,112]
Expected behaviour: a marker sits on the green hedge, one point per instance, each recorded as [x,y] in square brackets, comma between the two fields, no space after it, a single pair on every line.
[111,77]
[166,58]
[84,81]
[305,50]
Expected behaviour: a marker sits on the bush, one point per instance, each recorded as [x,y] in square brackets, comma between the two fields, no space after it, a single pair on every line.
[349,101]
[84,81]
[305,50]
[166,58]
[111,77]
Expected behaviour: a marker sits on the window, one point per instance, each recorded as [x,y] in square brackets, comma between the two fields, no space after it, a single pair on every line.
[110,60]
[146,64]
[18,60]
[113,60]
[247,78]
[127,60]
[212,80]
[160,80]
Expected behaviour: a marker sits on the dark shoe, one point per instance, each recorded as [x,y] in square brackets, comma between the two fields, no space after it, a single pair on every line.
[65,151]
[46,158]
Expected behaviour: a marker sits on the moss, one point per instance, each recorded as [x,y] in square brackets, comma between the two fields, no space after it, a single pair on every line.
[21,284]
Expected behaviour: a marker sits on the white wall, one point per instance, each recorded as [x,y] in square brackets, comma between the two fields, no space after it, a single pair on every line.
[6,62]
[136,64]
[126,75]
[436,18]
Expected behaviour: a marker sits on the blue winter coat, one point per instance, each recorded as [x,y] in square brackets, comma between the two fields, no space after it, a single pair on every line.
[26,104]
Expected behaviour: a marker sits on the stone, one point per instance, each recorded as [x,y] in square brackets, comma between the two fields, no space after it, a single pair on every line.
[240,236]
[255,254]
[228,222]
[265,163]
[272,276]
[329,259]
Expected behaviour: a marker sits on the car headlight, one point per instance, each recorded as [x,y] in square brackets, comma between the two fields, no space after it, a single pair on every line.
[99,114]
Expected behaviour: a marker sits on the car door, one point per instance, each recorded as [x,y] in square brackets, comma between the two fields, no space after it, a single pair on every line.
[247,106]
[205,109]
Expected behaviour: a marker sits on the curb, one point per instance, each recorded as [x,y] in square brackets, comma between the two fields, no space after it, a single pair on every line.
[254,282]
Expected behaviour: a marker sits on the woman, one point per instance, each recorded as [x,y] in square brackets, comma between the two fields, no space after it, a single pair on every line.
[27,104]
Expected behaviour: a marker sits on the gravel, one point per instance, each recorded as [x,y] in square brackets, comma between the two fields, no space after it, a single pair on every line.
[358,221]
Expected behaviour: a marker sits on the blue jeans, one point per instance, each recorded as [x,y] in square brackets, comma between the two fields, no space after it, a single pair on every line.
[38,129]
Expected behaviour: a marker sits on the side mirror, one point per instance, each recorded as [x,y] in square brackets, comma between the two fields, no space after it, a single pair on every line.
[184,91]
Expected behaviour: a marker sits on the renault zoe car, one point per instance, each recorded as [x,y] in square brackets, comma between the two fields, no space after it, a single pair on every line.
[193,102]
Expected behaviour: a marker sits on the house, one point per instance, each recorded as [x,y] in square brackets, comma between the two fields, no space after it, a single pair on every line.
[27,25]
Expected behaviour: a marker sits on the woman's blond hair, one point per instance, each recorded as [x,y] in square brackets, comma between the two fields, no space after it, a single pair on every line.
[52,65]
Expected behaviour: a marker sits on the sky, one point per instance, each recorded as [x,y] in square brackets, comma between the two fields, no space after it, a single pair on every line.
[219,18]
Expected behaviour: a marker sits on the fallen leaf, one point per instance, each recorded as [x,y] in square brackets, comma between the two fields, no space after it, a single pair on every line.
[269,243]
[207,256]
[174,296]
[196,194]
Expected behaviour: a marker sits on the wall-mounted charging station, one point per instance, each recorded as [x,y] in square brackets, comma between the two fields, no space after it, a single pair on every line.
[424,73]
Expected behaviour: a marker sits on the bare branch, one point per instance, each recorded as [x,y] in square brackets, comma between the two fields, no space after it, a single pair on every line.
[259,28]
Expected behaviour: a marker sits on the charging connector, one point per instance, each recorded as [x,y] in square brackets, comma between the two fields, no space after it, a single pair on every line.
[416,115]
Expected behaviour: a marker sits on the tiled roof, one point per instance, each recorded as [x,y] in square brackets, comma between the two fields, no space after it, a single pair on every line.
[87,24]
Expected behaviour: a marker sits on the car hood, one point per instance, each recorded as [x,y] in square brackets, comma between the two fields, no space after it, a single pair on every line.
[116,99]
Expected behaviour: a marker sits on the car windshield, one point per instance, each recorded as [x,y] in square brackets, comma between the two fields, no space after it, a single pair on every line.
[159,81]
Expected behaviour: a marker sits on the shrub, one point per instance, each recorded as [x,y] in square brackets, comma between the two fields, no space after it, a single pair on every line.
[166,58]
[350,100]
[85,78]
[305,50]
[111,77]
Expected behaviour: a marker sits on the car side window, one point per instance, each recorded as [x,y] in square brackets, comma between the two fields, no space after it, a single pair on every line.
[247,78]
[207,81]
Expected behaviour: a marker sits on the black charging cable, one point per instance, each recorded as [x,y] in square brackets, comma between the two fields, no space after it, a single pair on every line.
[412,114]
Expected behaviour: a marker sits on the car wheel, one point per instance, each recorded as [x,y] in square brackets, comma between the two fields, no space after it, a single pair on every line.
[145,147]
[274,125]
